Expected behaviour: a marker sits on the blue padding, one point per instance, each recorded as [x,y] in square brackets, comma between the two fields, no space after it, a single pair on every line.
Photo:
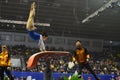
[40,76]
[35,75]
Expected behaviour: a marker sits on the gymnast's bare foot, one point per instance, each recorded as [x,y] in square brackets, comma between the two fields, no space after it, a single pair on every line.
[32,9]
[33,5]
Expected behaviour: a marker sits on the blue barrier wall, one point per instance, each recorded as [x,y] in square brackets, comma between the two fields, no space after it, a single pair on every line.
[35,75]
[40,76]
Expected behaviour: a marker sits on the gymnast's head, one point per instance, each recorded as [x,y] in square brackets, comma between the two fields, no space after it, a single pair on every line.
[44,36]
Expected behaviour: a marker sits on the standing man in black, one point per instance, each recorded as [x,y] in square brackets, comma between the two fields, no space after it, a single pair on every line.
[82,56]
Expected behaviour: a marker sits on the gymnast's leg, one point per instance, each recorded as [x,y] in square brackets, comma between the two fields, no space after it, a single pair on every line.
[30,23]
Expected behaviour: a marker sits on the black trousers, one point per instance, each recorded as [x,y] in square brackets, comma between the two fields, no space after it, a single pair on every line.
[4,69]
[87,66]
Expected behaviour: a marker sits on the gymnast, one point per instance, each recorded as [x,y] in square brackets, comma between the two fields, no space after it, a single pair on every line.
[31,29]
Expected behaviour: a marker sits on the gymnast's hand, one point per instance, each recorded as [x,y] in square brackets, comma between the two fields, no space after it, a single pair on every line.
[44,50]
